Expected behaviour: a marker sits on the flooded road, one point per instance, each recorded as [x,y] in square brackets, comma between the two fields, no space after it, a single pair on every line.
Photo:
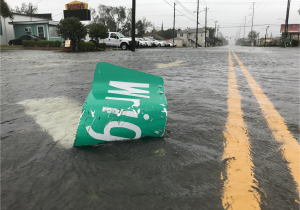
[231,139]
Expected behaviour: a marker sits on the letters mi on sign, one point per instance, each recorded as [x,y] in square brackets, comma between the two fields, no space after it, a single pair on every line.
[76,5]
[123,104]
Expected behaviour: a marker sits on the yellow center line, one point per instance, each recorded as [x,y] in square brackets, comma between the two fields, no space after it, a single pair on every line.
[290,146]
[238,191]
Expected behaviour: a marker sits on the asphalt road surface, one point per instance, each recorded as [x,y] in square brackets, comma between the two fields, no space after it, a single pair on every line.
[231,139]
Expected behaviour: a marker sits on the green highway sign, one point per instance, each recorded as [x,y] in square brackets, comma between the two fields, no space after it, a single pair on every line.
[123,104]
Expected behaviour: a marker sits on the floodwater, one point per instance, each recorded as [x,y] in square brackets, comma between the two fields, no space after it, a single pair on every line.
[218,135]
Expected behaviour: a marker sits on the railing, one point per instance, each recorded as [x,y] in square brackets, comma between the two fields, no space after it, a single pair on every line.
[201,43]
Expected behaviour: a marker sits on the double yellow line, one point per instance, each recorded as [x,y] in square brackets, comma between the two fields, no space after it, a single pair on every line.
[239,187]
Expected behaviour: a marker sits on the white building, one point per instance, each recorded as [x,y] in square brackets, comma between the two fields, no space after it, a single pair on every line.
[188,37]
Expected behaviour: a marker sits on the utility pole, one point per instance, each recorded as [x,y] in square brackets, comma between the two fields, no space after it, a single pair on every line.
[215,32]
[244,28]
[133,27]
[252,21]
[153,30]
[205,25]
[286,21]
[218,32]
[31,12]
[266,36]
[174,24]
[197,24]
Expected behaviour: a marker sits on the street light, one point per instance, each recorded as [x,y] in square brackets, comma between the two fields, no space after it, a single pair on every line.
[266,36]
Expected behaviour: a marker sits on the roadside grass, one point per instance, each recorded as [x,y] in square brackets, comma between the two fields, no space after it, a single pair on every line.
[5,47]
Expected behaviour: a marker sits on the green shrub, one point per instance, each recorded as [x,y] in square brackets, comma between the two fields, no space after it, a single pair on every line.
[42,43]
[57,43]
[51,43]
[31,43]
[102,46]
[81,46]
[295,42]
[90,46]
[25,43]
[85,46]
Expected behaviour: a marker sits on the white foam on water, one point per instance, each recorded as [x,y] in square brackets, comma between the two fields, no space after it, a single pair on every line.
[58,116]
[53,63]
[167,65]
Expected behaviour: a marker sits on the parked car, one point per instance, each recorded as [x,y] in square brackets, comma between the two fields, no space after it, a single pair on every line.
[24,37]
[171,44]
[147,42]
[156,43]
[167,44]
[161,43]
[142,43]
[116,39]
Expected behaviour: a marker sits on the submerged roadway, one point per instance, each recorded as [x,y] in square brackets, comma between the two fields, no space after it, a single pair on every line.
[231,139]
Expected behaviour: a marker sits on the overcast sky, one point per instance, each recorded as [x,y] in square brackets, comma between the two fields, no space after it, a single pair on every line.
[230,14]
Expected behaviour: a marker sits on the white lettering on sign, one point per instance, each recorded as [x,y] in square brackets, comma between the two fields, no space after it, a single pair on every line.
[120,112]
[128,89]
[136,102]
[115,124]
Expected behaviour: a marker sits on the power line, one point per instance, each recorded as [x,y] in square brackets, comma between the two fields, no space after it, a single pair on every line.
[249,25]
[263,7]
[233,3]
[57,14]
[188,11]
[180,12]
[37,2]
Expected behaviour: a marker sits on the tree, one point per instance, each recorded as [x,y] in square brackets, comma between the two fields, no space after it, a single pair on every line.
[252,35]
[112,17]
[211,32]
[96,31]
[168,34]
[140,28]
[26,9]
[5,10]
[118,19]
[71,28]
[126,29]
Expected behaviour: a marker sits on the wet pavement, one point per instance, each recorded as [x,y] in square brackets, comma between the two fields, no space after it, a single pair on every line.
[42,93]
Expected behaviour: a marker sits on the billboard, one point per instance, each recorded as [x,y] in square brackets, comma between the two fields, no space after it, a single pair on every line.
[76,5]
[77,9]
[82,14]
[291,28]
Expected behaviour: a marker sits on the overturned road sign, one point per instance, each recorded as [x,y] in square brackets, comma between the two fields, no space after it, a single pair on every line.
[123,104]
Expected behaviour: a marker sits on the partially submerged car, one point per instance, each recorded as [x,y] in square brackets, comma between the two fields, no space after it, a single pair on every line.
[148,42]
[142,43]
[116,39]
[19,40]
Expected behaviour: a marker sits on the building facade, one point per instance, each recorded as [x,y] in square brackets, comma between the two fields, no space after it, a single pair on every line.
[36,24]
[189,37]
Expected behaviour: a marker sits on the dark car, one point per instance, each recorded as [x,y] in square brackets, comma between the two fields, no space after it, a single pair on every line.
[25,37]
